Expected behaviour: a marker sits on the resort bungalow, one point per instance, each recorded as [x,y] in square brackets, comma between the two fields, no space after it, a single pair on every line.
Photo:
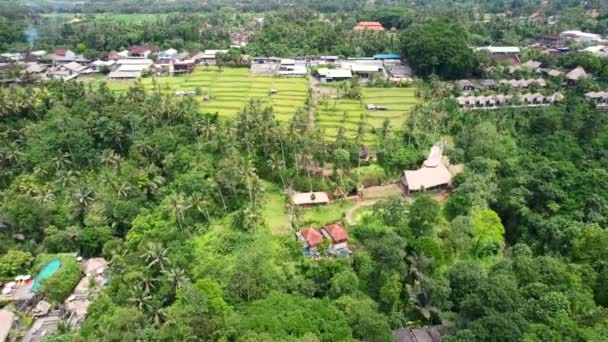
[310,198]
[338,237]
[465,85]
[326,75]
[599,98]
[575,75]
[433,175]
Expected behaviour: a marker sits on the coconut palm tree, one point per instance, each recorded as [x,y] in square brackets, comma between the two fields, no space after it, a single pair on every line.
[179,206]
[156,255]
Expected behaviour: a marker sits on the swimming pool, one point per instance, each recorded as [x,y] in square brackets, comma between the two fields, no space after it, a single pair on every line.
[47,270]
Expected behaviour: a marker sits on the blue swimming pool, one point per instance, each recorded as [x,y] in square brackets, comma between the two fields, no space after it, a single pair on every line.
[47,270]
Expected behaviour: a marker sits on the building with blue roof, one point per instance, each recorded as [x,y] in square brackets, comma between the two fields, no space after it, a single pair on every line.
[384,56]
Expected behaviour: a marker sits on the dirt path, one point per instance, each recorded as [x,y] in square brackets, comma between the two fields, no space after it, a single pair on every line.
[348,216]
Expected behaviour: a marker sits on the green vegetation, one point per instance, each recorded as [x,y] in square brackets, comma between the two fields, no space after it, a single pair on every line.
[58,286]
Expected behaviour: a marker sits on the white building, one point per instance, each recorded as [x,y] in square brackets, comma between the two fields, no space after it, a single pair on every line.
[580,36]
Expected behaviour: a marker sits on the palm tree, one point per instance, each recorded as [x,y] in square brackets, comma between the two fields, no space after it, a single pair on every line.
[177,277]
[156,255]
[141,299]
[276,165]
[420,298]
[201,205]
[81,199]
[179,206]
[62,161]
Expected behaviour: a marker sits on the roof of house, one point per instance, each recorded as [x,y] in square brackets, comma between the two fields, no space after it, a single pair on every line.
[124,74]
[335,73]
[369,26]
[312,236]
[6,323]
[432,173]
[73,66]
[387,56]
[531,64]
[134,62]
[60,52]
[576,73]
[310,198]
[93,265]
[499,49]
[596,95]
[336,232]
[138,49]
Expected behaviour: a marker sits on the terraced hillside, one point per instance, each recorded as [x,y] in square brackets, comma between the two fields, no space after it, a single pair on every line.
[348,113]
[231,89]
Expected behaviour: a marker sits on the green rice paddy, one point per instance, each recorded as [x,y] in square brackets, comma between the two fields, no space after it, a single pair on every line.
[348,113]
[231,89]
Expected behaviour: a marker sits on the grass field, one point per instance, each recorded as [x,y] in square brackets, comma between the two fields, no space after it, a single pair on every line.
[348,113]
[231,89]
[130,18]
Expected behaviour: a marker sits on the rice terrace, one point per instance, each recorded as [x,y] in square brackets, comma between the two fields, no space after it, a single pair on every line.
[229,89]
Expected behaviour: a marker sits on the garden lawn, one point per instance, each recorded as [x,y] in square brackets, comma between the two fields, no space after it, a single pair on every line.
[231,89]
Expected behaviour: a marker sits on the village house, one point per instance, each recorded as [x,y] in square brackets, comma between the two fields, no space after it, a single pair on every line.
[130,68]
[580,36]
[434,174]
[142,51]
[207,57]
[310,237]
[326,75]
[310,198]
[368,26]
[62,56]
[339,239]
[503,54]
[291,68]
[552,40]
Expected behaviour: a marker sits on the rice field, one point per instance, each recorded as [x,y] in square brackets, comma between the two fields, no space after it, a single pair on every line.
[348,113]
[231,88]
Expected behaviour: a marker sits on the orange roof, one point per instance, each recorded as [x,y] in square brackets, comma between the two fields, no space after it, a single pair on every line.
[337,232]
[369,25]
[312,236]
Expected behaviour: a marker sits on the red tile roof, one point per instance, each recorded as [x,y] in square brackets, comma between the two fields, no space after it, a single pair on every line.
[337,232]
[368,26]
[312,236]
[138,49]
[60,52]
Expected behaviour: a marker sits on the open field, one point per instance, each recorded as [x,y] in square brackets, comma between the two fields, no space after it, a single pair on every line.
[231,89]
[130,18]
[348,113]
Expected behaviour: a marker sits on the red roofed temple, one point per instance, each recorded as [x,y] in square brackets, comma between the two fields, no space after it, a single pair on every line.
[369,26]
